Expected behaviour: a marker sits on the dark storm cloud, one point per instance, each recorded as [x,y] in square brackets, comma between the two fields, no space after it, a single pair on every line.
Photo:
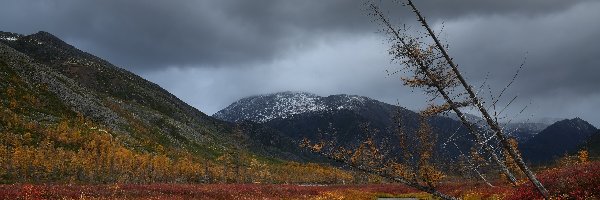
[153,34]
[211,53]
[560,73]
[146,35]
[559,50]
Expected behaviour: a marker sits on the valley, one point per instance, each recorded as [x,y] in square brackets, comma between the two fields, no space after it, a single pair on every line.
[75,126]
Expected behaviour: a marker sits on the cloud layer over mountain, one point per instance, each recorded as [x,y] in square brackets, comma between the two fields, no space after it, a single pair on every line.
[211,53]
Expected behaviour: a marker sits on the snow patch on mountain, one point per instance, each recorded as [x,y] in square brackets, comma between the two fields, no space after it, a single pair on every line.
[263,108]
[9,38]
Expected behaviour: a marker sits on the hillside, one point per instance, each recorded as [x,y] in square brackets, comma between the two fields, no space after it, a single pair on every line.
[60,100]
[559,139]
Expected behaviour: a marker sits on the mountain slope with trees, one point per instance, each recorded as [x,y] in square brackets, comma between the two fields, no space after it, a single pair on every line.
[69,115]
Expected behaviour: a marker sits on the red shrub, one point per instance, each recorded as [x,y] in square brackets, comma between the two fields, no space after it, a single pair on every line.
[581,181]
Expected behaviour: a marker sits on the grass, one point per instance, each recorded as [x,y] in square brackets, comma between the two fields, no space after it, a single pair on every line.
[577,181]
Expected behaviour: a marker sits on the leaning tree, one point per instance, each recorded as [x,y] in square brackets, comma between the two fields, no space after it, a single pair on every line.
[433,70]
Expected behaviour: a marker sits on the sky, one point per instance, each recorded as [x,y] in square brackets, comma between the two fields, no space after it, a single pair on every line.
[211,53]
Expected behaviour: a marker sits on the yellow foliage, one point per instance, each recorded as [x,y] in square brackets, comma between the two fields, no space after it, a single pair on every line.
[583,156]
[77,150]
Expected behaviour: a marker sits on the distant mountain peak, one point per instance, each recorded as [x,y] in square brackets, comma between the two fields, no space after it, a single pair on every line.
[48,49]
[293,94]
[564,136]
[43,37]
[262,108]
[44,34]
[576,123]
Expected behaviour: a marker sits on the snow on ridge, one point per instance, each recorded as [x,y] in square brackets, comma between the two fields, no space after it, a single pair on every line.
[263,108]
[287,104]
[9,38]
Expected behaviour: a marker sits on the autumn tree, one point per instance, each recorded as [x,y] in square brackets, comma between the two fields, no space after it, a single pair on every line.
[583,156]
[416,167]
[433,70]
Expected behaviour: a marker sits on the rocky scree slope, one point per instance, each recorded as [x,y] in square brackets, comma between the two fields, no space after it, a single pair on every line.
[122,101]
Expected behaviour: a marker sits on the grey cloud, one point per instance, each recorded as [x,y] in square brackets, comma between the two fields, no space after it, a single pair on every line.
[560,50]
[147,35]
[211,53]
[329,68]
[559,78]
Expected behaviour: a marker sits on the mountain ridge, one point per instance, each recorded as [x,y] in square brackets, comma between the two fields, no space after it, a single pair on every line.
[346,121]
[345,126]
[126,103]
[561,138]
[265,107]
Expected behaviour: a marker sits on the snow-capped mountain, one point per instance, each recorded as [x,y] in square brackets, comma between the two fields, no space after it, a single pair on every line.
[282,105]
[344,120]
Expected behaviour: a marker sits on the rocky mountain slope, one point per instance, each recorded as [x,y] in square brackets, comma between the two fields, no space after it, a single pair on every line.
[128,105]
